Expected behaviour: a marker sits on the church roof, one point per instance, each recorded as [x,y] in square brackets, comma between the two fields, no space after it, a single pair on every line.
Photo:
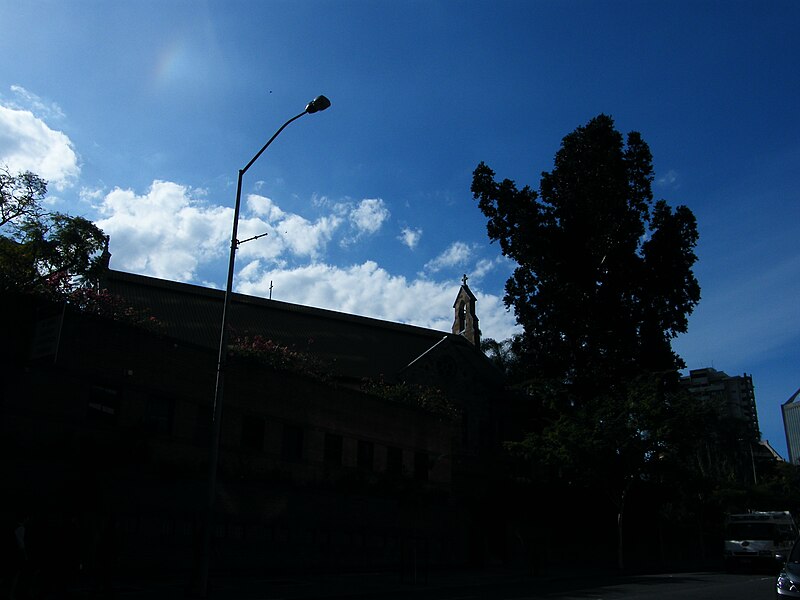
[353,346]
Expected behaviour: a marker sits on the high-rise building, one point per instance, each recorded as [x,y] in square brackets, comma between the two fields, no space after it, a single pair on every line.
[735,393]
[791,425]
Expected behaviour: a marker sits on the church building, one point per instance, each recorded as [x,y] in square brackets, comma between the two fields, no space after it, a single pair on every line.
[346,441]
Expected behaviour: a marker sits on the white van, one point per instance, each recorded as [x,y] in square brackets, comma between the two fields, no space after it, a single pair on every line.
[758,538]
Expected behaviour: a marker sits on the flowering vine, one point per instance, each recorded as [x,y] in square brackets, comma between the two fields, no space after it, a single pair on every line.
[282,358]
[428,398]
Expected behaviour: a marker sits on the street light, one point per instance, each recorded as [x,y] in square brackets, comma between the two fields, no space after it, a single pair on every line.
[318,104]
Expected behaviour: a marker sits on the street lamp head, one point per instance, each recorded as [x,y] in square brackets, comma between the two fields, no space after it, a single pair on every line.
[317,104]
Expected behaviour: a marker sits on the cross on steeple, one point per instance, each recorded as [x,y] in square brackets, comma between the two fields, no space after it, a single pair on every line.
[464,279]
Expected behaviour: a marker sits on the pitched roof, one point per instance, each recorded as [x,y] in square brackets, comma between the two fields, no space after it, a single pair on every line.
[352,345]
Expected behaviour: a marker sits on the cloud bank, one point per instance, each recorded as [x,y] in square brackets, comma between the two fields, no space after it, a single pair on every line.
[27,143]
[165,232]
[369,290]
[172,231]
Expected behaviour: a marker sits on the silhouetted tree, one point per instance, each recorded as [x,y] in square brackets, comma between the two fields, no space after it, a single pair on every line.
[505,355]
[604,277]
[40,251]
[603,283]
[20,195]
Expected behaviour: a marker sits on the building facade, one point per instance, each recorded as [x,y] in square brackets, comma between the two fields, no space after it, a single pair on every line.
[791,426]
[735,395]
[378,452]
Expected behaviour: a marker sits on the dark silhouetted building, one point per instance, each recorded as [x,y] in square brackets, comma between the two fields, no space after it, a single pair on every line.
[791,425]
[734,394]
[346,441]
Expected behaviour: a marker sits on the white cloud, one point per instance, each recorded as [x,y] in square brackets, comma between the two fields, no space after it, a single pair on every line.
[410,237]
[494,320]
[91,195]
[28,144]
[286,232]
[370,214]
[670,179]
[165,232]
[168,232]
[371,291]
[264,207]
[306,238]
[486,265]
[457,254]
[250,270]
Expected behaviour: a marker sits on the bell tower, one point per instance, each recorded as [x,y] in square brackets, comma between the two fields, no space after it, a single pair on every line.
[466,321]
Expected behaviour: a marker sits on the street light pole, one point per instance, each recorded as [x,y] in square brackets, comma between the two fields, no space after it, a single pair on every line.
[319,103]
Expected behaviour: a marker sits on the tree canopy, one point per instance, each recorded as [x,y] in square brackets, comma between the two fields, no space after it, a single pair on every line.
[20,195]
[603,283]
[604,274]
[41,251]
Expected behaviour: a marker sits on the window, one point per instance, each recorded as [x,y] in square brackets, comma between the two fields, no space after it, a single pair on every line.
[421,466]
[252,433]
[366,455]
[333,449]
[462,317]
[292,443]
[394,461]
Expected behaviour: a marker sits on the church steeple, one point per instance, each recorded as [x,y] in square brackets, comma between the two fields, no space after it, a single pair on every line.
[105,257]
[466,321]
[104,262]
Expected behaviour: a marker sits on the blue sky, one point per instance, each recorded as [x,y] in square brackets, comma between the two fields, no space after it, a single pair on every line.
[141,113]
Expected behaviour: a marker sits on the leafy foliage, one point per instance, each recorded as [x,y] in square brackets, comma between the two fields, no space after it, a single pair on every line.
[603,283]
[43,252]
[505,355]
[283,358]
[604,278]
[104,304]
[53,255]
[428,398]
[280,357]
[20,195]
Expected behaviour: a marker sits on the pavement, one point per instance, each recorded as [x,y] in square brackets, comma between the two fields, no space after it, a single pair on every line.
[483,583]
[361,586]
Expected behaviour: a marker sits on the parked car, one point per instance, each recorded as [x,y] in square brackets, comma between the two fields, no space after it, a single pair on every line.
[788,582]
